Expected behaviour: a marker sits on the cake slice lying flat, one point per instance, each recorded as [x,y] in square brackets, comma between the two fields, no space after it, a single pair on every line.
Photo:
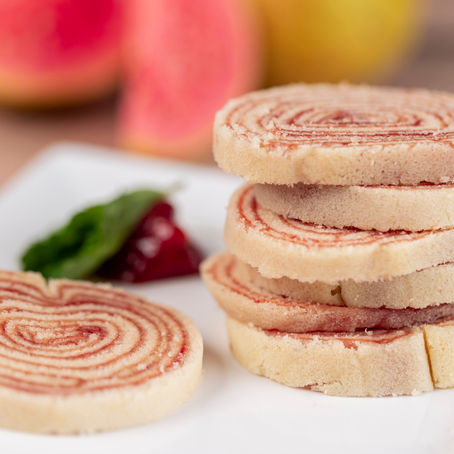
[279,246]
[246,301]
[77,357]
[337,135]
[376,363]
[429,287]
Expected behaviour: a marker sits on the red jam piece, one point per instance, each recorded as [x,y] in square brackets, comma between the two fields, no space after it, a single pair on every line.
[157,249]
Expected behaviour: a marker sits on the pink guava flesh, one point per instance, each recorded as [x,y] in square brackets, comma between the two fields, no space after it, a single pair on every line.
[185,58]
[53,50]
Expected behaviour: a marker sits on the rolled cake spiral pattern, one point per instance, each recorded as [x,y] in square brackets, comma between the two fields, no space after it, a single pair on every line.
[279,246]
[306,234]
[325,134]
[340,116]
[75,340]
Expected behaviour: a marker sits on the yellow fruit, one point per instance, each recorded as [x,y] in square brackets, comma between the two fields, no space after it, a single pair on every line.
[336,40]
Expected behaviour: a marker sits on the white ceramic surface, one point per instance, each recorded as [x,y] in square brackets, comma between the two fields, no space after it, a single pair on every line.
[232,411]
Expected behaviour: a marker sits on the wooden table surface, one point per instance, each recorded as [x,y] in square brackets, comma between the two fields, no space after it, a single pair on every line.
[24,135]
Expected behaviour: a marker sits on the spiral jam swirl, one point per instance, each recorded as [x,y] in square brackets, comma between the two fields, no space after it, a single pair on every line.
[294,231]
[74,337]
[333,116]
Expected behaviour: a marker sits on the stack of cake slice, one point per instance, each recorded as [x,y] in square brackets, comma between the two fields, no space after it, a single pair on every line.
[340,275]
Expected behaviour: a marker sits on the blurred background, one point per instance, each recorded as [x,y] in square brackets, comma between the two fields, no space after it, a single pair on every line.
[148,75]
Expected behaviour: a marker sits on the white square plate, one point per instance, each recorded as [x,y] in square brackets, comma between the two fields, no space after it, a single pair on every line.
[232,411]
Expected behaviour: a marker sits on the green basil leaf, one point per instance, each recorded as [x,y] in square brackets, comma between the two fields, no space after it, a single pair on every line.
[92,236]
